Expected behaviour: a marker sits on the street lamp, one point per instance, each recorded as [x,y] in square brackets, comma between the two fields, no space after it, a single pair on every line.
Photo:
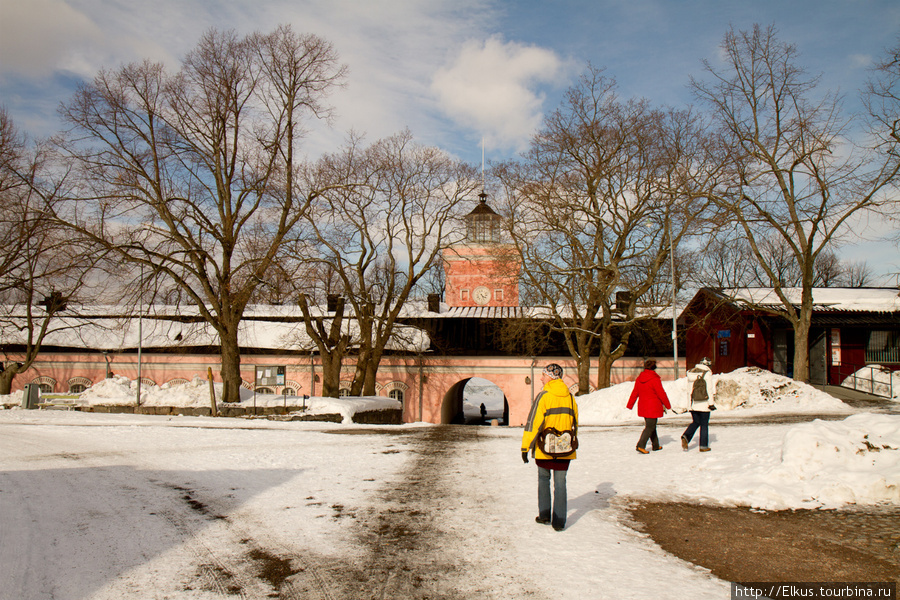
[140,332]
[674,311]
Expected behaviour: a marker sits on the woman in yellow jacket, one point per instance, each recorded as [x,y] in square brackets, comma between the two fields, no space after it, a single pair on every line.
[553,407]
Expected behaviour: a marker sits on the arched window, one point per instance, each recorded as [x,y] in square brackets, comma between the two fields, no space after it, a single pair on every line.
[291,388]
[79,384]
[47,385]
[264,390]
[173,382]
[396,394]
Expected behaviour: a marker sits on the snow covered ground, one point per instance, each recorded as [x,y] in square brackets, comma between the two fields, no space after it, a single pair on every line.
[110,506]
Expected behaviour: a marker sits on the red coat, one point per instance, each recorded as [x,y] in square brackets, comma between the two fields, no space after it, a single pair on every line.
[650,395]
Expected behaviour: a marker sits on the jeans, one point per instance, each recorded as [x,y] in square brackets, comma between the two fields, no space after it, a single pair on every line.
[560,498]
[699,419]
[649,433]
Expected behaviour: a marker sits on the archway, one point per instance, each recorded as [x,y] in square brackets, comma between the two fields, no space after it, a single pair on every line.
[474,401]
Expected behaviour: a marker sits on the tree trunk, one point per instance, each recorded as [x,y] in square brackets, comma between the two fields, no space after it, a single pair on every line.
[608,356]
[801,349]
[371,375]
[584,373]
[331,375]
[604,371]
[357,386]
[6,379]
[231,365]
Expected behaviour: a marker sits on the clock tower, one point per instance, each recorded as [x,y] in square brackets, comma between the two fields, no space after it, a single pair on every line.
[482,271]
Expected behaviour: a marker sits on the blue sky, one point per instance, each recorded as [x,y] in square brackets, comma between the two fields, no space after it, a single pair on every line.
[452,71]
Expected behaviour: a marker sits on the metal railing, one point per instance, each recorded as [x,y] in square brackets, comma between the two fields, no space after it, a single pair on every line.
[875,380]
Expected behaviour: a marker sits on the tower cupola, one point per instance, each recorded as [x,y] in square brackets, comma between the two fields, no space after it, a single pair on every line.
[483,224]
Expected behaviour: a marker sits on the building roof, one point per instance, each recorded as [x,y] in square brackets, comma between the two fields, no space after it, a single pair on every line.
[873,300]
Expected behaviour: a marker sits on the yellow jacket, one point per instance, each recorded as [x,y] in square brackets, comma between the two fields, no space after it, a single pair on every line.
[553,407]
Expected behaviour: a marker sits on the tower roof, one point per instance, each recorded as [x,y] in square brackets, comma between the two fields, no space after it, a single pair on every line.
[482,208]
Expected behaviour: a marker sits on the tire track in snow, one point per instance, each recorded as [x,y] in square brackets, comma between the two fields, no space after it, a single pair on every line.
[406,548]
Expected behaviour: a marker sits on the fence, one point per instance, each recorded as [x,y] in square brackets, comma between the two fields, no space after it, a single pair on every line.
[875,380]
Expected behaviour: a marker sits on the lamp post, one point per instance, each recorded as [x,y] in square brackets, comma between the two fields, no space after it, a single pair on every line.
[674,311]
[140,332]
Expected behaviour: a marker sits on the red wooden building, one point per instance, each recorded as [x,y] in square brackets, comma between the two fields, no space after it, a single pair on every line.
[851,328]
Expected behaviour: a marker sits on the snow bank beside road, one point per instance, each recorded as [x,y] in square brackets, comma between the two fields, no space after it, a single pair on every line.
[744,392]
[820,464]
[121,391]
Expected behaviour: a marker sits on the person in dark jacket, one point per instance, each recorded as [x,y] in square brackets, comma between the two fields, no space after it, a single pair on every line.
[652,403]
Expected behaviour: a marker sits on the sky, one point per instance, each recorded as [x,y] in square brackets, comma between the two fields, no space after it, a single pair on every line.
[458,74]
[142,506]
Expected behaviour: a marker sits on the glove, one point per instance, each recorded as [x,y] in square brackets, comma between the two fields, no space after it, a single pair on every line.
[712,407]
[525,457]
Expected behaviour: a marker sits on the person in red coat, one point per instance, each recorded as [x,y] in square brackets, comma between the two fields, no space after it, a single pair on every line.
[652,402]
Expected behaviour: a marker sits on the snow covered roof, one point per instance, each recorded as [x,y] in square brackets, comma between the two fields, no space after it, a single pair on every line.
[824,299]
[115,334]
[278,327]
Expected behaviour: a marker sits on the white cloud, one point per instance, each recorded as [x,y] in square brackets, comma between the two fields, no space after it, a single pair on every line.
[494,86]
[862,61]
[43,37]
[37,37]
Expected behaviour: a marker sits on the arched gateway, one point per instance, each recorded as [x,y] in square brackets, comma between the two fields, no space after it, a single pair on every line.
[475,400]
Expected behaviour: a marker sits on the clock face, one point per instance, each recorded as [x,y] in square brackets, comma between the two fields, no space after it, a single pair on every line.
[481,295]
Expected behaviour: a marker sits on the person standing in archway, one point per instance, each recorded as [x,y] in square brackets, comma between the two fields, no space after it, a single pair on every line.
[553,408]
[652,403]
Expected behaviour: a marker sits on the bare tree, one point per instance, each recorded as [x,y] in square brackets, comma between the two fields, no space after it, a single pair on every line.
[196,175]
[607,189]
[381,234]
[882,100]
[17,222]
[42,268]
[728,262]
[858,274]
[797,181]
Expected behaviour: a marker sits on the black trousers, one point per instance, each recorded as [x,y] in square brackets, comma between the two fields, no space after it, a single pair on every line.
[649,433]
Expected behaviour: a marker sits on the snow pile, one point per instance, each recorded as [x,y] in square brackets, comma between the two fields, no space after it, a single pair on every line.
[347,406]
[875,379]
[846,462]
[115,390]
[747,391]
[121,391]
[751,387]
[822,464]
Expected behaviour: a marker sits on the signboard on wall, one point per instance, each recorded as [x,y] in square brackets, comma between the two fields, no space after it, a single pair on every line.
[836,347]
[723,338]
[267,376]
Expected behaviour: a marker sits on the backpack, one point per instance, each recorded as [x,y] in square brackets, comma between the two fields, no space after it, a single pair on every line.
[556,443]
[698,392]
[553,442]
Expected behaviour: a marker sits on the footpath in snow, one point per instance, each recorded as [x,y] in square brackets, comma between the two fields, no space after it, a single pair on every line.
[106,506]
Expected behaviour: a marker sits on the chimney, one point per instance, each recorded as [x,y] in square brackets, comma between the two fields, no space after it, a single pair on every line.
[434,303]
[623,301]
[332,302]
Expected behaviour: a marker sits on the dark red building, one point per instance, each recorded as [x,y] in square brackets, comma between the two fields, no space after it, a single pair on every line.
[741,327]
